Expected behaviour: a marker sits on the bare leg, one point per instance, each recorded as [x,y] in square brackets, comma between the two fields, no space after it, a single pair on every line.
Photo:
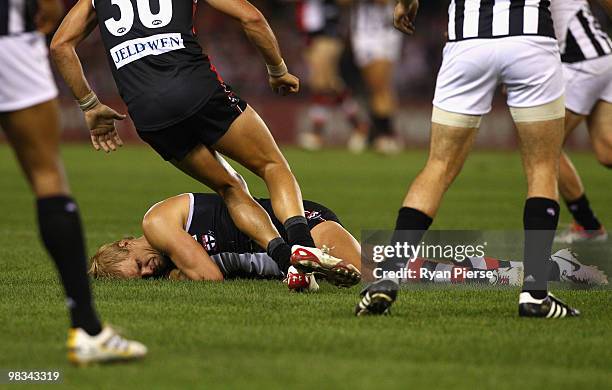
[34,134]
[248,215]
[540,144]
[378,78]
[570,185]
[341,242]
[600,129]
[249,142]
[448,150]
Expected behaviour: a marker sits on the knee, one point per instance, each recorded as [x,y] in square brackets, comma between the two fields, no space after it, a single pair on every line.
[272,166]
[604,156]
[443,169]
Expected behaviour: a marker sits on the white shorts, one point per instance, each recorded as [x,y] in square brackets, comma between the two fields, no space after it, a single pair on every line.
[587,82]
[25,75]
[385,44]
[529,67]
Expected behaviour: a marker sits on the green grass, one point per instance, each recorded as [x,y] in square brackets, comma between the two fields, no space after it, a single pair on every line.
[254,333]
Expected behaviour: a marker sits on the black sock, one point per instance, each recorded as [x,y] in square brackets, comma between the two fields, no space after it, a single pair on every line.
[280,252]
[582,213]
[298,232]
[540,220]
[59,224]
[410,226]
[381,125]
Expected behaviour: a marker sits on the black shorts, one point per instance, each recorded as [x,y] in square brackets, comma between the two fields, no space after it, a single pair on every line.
[205,127]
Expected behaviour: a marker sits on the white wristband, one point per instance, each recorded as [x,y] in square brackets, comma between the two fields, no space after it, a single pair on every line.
[277,70]
[88,102]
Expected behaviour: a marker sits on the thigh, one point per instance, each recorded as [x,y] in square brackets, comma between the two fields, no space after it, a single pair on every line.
[34,134]
[249,142]
[450,144]
[541,142]
[378,75]
[600,128]
[467,78]
[323,58]
[207,167]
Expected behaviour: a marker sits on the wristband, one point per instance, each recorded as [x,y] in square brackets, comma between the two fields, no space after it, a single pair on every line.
[88,102]
[277,70]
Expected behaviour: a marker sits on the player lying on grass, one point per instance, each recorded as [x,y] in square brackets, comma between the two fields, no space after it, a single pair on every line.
[201,225]
[192,236]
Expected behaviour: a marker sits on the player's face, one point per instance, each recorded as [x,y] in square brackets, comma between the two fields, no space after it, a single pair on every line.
[143,262]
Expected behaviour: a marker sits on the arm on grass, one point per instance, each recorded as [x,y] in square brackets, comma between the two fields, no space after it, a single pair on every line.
[163,228]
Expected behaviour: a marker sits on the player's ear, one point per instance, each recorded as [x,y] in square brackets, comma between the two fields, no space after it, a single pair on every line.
[123,243]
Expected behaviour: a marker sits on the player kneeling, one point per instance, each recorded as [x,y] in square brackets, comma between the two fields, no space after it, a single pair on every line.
[192,236]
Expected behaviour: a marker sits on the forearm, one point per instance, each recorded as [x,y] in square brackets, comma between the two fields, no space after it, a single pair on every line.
[261,35]
[69,66]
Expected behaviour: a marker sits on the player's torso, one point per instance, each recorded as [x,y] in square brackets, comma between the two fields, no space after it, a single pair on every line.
[579,34]
[473,19]
[155,58]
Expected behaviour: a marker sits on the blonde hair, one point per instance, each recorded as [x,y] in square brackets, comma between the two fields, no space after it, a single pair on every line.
[105,263]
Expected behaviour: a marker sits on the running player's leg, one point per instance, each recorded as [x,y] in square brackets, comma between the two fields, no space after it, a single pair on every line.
[378,77]
[34,134]
[247,214]
[570,185]
[249,142]
[322,58]
[599,123]
[585,225]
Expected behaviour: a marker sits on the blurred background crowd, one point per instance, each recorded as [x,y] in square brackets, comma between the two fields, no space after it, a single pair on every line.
[413,77]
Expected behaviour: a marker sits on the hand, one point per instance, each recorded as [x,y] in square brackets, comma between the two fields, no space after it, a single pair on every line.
[285,84]
[403,17]
[101,122]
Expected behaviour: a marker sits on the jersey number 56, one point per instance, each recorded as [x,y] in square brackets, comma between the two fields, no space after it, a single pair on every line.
[147,18]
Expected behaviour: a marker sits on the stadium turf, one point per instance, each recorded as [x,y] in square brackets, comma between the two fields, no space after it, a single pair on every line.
[255,334]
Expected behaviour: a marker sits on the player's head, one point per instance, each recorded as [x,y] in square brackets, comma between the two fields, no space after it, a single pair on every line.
[128,258]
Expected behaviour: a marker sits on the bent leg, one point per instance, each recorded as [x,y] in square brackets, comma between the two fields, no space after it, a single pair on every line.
[248,215]
[342,243]
[34,134]
[599,124]
[249,142]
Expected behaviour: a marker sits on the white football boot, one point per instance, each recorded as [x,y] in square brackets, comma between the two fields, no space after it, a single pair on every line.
[573,271]
[318,261]
[106,346]
[575,233]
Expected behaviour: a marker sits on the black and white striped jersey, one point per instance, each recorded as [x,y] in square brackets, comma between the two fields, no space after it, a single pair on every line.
[579,34]
[470,19]
[17,16]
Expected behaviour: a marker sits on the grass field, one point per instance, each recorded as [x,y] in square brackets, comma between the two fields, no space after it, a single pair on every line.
[255,334]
